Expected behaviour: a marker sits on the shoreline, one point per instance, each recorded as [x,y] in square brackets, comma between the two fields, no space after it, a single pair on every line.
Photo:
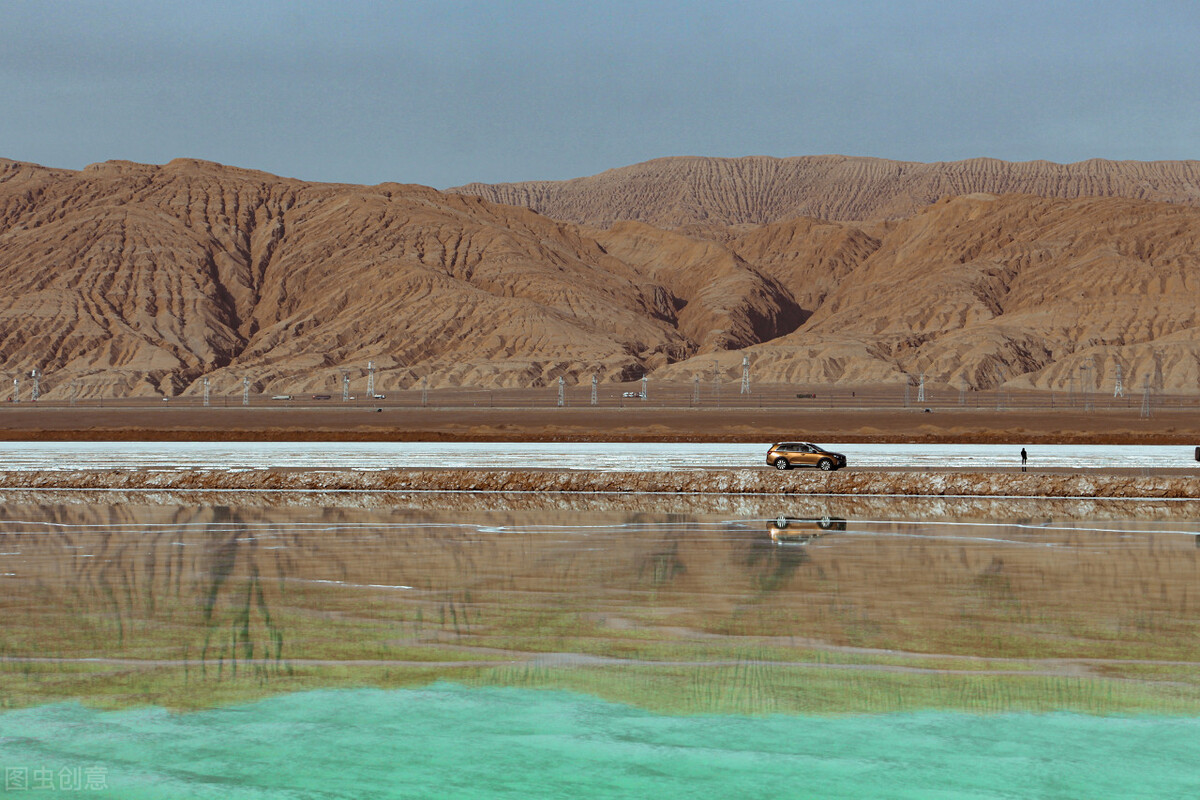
[763,481]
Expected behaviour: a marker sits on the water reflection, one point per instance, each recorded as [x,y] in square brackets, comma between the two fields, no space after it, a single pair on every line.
[198,605]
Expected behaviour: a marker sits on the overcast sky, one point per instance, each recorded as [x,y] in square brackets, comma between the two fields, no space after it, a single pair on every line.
[453,92]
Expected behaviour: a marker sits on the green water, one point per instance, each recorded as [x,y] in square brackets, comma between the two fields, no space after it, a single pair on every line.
[451,741]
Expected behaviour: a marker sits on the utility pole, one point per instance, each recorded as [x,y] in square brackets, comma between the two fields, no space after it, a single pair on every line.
[1146,410]
[595,383]
[17,389]
[696,390]
[246,390]
[371,379]
[921,391]
[35,374]
[345,386]
[424,391]
[645,381]
[205,390]
[745,374]
[562,391]
[1119,386]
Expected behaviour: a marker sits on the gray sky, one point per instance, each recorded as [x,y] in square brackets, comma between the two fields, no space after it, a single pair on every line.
[451,92]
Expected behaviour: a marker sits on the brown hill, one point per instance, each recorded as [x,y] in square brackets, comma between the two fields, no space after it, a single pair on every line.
[134,279]
[674,192]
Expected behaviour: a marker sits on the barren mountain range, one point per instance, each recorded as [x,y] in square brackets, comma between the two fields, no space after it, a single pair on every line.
[131,279]
[756,190]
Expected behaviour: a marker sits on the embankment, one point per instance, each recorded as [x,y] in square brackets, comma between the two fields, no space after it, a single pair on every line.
[698,481]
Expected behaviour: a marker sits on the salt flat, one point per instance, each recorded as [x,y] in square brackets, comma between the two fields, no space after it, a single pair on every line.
[52,456]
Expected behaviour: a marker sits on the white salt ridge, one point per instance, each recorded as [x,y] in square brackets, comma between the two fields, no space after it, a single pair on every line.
[367,456]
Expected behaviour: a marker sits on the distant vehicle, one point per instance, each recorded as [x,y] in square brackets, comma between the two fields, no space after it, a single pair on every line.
[322,396]
[786,455]
[800,531]
[379,397]
[634,394]
[282,397]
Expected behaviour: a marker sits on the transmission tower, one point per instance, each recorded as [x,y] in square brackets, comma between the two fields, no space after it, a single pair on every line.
[1119,386]
[696,390]
[921,391]
[345,386]
[745,374]
[371,379]
[1087,383]
[17,389]
[206,390]
[1146,398]
[562,392]
[595,383]
[717,383]
[35,374]
[424,391]
[246,390]
[962,393]
[645,382]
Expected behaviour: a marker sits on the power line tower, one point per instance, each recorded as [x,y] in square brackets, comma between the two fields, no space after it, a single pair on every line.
[345,386]
[205,390]
[562,392]
[1087,383]
[595,383]
[371,379]
[745,374]
[35,374]
[962,392]
[717,383]
[1119,386]
[246,390]
[1146,411]
[696,390]
[424,391]
[921,390]
[17,389]
[645,384]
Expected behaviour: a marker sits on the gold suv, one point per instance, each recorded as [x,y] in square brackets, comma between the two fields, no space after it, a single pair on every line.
[786,455]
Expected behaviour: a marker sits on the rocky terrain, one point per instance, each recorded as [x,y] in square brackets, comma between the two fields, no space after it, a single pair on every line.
[128,279]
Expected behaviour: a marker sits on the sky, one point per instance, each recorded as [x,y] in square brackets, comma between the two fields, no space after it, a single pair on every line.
[445,93]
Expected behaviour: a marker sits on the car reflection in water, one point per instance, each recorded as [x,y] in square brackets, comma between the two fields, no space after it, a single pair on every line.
[802,530]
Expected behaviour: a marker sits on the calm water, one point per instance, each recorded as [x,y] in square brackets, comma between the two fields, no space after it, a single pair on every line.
[448,741]
[780,650]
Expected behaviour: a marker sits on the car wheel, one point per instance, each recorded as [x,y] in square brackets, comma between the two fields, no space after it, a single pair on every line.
[825,465]
[782,463]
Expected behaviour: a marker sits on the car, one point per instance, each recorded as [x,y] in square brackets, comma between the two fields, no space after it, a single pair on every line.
[785,455]
[634,394]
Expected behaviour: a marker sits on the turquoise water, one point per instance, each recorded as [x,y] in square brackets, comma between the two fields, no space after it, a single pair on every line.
[451,741]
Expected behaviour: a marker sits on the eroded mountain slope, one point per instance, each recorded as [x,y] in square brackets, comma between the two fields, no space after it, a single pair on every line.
[755,190]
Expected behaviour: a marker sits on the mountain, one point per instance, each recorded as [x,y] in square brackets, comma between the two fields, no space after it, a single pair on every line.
[133,279]
[756,190]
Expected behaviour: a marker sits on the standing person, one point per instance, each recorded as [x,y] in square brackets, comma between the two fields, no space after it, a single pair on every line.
[1024,458]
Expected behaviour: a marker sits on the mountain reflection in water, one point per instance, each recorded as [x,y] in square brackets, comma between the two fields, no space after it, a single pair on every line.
[785,610]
